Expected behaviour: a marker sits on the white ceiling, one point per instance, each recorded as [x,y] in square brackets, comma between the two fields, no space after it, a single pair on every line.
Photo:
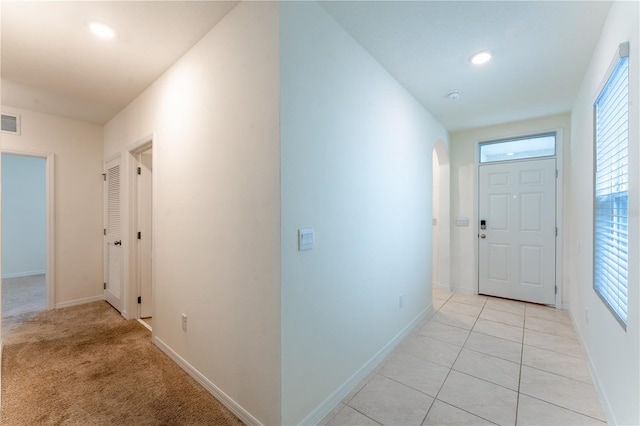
[541,51]
[51,63]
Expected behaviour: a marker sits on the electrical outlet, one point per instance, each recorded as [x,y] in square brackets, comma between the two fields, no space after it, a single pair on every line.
[586,315]
[401,300]
[184,322]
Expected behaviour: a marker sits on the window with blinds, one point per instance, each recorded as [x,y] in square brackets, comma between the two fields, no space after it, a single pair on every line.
[611,136]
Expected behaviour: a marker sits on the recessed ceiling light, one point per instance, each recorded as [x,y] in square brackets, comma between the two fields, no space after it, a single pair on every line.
[454,95]
[481,57]
[510,154]
[102,30]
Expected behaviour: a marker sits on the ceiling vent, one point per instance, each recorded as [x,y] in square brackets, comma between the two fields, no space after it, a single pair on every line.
[11,124]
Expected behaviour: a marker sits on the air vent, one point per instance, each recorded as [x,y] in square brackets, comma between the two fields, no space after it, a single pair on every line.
[11,123]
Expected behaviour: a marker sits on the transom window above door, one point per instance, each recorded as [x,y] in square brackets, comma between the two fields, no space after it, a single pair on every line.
[518,148]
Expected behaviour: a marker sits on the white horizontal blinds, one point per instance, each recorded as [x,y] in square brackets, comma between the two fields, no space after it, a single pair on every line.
[611,190]
[113,200]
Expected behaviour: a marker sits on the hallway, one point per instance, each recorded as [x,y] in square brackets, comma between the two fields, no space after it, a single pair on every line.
[479,360]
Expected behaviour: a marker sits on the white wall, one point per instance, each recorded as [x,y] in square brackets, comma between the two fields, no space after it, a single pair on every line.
[23,216]
[441,208]
[464,174]
[77,149]
[215,120]
[613,353]
[356,154]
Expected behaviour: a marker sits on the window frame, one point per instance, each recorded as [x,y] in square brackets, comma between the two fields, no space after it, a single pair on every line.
[616,198]
[517,139]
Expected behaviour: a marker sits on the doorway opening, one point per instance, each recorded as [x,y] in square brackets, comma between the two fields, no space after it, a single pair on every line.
[141,220]
[145,235]
[27,238]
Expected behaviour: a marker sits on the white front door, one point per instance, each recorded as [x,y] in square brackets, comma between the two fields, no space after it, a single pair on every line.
[517,247]
[113,241]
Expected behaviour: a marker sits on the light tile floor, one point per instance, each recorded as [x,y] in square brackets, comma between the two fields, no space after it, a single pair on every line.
[479,361]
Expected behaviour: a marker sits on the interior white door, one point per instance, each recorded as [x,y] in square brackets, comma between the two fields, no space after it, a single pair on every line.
[517,247]
[145,235]
[113,241]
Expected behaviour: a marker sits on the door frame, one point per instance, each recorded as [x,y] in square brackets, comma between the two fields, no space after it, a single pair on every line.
[50,219]
[131,256]
[560,303]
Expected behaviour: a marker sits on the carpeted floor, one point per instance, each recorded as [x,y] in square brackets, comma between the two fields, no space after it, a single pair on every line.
[86,365]
[24,294]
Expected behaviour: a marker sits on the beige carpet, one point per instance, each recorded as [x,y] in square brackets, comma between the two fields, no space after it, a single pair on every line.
[86,365]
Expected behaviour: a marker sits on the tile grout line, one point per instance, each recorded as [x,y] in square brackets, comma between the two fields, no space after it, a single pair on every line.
[524,326]
[483,307]
[435,398]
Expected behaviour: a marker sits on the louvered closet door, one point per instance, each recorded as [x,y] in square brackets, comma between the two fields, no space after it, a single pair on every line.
[113,242]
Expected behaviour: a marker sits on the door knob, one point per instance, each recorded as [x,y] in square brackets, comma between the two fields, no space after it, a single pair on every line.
[117,243]
[483,236]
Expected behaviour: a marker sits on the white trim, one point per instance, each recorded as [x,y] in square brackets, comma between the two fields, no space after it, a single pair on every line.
[225,399]
[560,217]
[141,144]
[602,396]
[466,290]
[441,287]
[25,274]
[113,157]
[144,324]
[50,218]
[79,301]
[131,288]
[334,399]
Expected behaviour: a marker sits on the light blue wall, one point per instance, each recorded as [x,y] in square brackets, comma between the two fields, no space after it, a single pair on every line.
[356,165]
[23,216]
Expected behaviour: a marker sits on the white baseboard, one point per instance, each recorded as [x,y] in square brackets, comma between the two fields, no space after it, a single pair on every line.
[338,395]
[24,274]
[441,287]
[236,408]
[606,406]
[144,324]
[465,290]
[79,301]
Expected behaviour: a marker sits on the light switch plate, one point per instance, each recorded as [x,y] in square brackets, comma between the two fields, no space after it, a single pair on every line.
[306,239]
[462,221]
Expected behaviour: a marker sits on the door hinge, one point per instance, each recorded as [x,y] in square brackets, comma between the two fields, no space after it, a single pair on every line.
[139,170]
[104,177]
[556,288]
[139,235]
[556,231]
[104,286]
[104,231]
[556,173]
[139,299]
